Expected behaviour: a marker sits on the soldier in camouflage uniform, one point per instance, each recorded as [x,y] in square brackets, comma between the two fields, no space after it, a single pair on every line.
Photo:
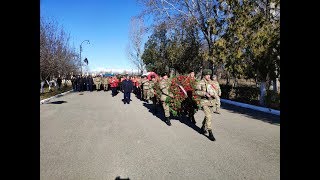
[216,87]
[97,82]
[164,87]
[105,82]
[152,95]
[207,101]
[145,87]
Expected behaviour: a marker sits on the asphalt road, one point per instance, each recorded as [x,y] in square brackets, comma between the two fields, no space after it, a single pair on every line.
[96,136]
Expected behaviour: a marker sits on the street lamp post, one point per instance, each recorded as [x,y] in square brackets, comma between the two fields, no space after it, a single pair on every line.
[88,42]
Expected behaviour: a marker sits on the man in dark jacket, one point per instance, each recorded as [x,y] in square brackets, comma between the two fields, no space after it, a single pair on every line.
[73,82]
[90,83]
[77,82]
[81,82]
[127,87]
[85,83]
[59,81]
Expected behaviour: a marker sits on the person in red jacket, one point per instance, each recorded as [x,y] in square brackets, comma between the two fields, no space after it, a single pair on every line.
[134,82]
[114,84]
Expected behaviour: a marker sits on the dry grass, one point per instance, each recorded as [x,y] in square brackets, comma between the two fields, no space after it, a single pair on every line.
[48,94]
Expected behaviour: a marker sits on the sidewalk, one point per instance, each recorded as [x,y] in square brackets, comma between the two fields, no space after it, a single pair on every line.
[257,108]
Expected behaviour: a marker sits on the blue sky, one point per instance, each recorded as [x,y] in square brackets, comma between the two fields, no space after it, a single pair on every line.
[105,23]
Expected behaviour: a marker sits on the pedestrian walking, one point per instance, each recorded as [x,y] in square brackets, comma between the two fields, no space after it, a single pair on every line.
[127,87]
[207,102]
[164,87]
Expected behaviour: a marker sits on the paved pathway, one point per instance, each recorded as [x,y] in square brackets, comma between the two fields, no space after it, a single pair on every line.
[96,136]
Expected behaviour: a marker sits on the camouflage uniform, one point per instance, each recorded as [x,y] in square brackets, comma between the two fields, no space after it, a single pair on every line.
[151,90]
[217,97]
[164,87]
[145,86]
[139,93]
[105,83]
[151,95]
[97,82]
[207,103]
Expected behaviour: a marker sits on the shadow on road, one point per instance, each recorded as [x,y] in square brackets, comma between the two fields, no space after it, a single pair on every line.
[119,178]
[159,113]
[183,119]
[58,102]
[265,117]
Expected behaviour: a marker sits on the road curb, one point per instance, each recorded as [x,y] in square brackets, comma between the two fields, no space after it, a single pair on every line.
[257,108]
[58,95]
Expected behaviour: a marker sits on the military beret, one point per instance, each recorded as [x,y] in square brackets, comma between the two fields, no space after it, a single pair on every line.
[207,72]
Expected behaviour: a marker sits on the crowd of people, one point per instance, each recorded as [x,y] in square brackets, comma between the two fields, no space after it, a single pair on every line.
[197,94]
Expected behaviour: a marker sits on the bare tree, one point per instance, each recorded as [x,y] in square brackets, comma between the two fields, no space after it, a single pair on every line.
[134,48]
[56,56]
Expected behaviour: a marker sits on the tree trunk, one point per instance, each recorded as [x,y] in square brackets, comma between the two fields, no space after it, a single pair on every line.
[41,88]
[235,82]
[256,81]
[269,84]
[228,79]
[200,73]
[262,93]
[276,85]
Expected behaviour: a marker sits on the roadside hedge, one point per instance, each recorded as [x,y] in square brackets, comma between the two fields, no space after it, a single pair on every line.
[250,95]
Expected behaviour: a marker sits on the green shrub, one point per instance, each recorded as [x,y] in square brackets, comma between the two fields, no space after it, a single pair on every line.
[246,93]
[272,99]
[225,91]
[250,95]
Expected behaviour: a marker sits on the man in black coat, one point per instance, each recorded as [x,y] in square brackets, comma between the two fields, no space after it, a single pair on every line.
[85,87]
[81,82]
[127,87]
[73,82]
[77,81]
[59,81]
[86,82]
[90,83]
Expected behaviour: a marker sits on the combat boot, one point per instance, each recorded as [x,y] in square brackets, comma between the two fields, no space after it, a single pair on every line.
[211,135]
[168,121]
[203,130]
